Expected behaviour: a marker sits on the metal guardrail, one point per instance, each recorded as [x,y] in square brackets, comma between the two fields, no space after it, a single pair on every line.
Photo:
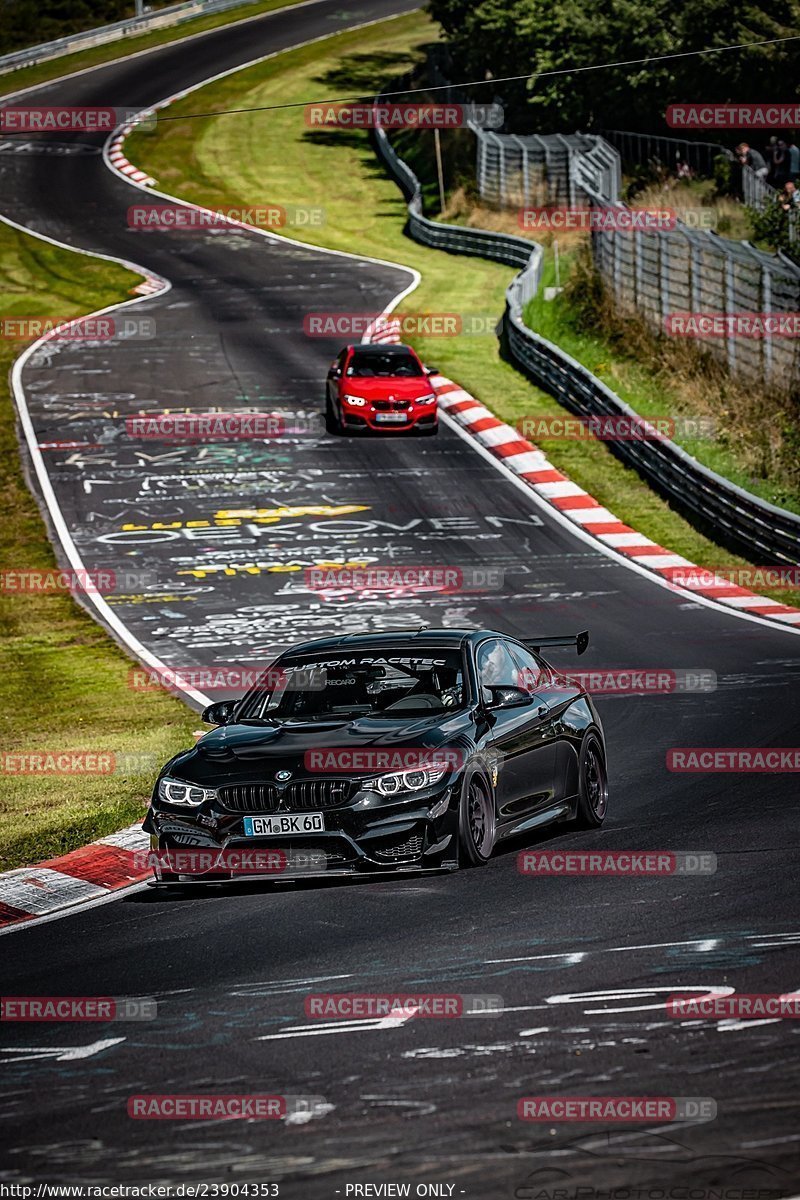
[761,530]
[765,532]
[174,14]
[458,239]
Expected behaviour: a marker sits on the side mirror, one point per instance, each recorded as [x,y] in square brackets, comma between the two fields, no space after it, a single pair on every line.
[431,370]
[508,697]
[220,713]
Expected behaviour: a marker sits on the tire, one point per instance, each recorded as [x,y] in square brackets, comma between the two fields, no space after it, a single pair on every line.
[331,419]
[592,783]
[477,822]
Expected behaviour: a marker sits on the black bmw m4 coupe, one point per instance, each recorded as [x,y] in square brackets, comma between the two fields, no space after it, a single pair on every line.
[398,752]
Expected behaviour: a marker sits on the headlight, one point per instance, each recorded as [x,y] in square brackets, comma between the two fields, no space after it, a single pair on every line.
[176,792]
[405,781]
[426,399]
[358,401]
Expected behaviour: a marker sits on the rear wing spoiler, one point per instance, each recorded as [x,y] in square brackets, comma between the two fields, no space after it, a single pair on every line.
[578,640]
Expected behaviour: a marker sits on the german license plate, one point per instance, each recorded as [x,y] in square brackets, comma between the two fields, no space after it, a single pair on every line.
[286,823]
[398,418]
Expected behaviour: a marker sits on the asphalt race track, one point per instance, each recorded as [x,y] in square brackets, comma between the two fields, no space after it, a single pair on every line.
[583,965]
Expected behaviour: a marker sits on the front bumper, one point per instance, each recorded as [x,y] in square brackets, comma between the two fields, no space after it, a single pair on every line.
[370,834]
[365,419]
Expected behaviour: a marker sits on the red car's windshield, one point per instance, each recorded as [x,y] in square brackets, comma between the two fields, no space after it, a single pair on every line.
[366,365]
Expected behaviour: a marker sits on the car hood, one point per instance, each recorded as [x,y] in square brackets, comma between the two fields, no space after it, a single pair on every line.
[245,752]
[405,388]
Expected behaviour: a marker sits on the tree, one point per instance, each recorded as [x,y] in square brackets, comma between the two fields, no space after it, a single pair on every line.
[496,38]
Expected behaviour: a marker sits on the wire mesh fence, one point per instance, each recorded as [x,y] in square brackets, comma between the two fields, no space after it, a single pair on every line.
[667,275]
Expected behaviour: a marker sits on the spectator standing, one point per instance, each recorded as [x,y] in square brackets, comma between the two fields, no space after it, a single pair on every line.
[794,159]
[752,158]
[780,163]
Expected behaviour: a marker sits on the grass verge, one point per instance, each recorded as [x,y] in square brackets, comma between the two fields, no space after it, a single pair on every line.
[63,681]
[273,157]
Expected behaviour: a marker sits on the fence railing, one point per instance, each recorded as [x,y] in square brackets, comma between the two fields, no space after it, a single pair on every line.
[459,239]
[757,193]
[175,14]
[763,531]
[537,170]
[661,273]
[645,148]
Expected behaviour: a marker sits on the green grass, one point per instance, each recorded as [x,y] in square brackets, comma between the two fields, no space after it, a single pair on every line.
[42,72]
[63,682]
[650,393]
[273,157]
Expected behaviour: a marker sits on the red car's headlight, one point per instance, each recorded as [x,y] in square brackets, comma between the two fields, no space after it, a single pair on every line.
[358,401]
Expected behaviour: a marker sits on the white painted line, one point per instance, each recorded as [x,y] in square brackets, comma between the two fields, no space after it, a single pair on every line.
[110,897]
[662,560]
[560,518]
[394,1019]
[748,601]
[59,1053]
[111,62]
[591,516]
[499,436]
[131,838]
[626,539]
[458,396]
[529,460]
[110,618]
[565,488]
[38,890]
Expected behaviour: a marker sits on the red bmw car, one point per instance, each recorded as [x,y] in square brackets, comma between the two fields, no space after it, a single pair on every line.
[380,387]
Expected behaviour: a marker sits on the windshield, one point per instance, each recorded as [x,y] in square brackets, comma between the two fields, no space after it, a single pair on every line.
[349,684]
[367,365]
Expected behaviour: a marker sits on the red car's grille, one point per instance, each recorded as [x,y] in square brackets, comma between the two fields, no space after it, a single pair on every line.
[391,405]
